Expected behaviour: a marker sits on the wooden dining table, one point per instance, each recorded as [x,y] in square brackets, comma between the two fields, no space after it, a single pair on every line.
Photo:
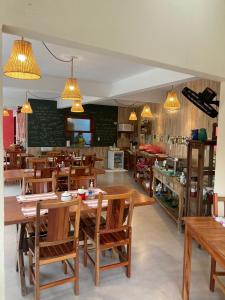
[210,235]
[14,216]
[19,174]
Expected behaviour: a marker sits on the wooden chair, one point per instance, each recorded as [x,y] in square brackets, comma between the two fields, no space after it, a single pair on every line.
[13,160]
[68,161]
[88,160]
[44,172]
[218,211]
[37,162]
[38,185]
[58,245]
[115,232]
[81,176]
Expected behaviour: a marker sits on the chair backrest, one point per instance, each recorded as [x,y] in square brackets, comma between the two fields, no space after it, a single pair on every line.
[54,153]
[219,206]
[38,185]
[37,162]
[59,222]
[68,161]
[80,171]
[15,159]
[44,172]
[88,160]
[81,176]
[118,214]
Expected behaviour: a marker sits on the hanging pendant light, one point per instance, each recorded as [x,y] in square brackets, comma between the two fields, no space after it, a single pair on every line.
[172,103]
[26,108]
[5,112]
[133,116]
[71,90]
[146,112]
[22,64]
[77,106]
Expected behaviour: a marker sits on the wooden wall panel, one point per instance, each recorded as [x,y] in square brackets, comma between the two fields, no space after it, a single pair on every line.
[123,139]
[183,121]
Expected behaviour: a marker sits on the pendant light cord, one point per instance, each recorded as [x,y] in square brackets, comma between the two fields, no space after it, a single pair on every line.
[62,60]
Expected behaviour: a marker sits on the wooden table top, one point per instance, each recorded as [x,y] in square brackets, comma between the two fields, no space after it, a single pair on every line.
[210,235]
[14,215]
[19,174]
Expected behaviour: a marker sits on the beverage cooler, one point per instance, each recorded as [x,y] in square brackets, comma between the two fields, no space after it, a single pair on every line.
[115,159]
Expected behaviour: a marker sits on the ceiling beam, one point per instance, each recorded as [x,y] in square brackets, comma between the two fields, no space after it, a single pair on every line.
[149,80]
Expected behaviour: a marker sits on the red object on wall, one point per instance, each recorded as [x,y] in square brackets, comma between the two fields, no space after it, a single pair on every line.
[8,130]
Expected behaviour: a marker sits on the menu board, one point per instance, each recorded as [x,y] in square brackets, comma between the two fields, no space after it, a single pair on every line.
[46,126]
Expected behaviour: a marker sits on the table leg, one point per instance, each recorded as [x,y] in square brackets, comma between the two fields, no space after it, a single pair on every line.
[187,264]
[213,271]
[21,267]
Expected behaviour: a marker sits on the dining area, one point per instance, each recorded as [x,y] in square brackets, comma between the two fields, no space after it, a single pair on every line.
[111,153]
[60,212]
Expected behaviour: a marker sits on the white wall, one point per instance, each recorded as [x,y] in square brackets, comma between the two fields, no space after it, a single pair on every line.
[220,151]
[187,35]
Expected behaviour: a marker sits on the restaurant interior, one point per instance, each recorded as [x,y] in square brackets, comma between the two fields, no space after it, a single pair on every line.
[112,153]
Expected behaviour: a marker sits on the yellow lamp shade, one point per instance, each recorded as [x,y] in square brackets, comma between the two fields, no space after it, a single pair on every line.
[71,90]
[22,63]
[26,108]
[133,116]
[77,106]
[172,103]
[146,112]
[5,113]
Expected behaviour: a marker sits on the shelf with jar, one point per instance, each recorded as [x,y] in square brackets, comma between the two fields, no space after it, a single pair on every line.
[169,192]
[143,173]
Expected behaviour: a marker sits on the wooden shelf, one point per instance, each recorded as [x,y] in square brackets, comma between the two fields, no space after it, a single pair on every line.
[173,212]
[175,187]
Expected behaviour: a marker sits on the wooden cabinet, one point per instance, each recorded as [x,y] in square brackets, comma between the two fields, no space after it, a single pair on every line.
[172,195]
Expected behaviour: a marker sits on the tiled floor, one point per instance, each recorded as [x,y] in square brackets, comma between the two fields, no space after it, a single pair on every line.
[157,255]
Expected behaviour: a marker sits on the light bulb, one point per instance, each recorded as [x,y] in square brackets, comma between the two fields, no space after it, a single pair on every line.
[71,87]
[171,99]
[21,57]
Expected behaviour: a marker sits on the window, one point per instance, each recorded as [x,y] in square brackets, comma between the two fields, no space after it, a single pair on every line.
[80,130]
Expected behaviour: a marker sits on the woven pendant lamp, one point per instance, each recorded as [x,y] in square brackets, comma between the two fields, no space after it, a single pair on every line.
[22,63]
[26,108]
[71,90]
[5,112]
[77,106]
[133,116]
[172,103]
[146,112]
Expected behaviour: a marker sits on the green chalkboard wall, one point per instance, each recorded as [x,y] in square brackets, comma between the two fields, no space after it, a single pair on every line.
[46,126]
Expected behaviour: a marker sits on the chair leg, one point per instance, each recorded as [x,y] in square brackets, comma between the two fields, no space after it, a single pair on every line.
[76,271]
[85,249]
[65,267]
[128,272]
[37,283]
[30,267]
[212,272]
[97,261]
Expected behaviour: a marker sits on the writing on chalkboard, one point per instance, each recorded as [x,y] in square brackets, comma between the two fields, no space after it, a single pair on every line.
[45,125]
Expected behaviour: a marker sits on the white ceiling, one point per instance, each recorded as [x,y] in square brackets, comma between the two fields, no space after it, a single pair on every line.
[101,78]
[90,66]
